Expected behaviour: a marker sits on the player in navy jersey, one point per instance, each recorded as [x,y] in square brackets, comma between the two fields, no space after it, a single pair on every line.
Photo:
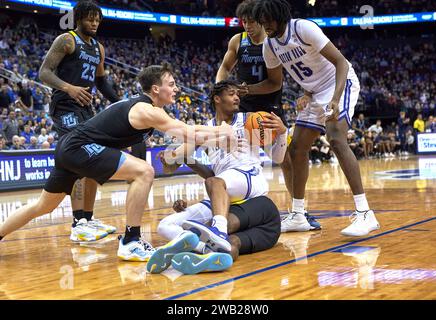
[331,91]
[72,67]
[92,150]
[245,55]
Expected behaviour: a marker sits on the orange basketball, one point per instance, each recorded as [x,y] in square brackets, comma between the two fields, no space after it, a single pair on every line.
[256,133]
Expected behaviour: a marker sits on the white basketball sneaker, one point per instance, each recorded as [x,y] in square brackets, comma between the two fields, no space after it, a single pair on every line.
[83,231]
[296,221]
[139,250]
[362,224]
[102,226]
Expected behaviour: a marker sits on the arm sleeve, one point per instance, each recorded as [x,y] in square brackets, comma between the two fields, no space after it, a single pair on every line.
[107,91]
[269,56]
[310,33]
[278,150]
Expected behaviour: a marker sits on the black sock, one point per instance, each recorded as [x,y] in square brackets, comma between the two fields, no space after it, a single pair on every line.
[88,215]
[132,234]
[77,214]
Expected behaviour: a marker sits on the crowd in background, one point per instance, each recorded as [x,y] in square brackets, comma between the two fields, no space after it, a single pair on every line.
[402,78]
[301,8]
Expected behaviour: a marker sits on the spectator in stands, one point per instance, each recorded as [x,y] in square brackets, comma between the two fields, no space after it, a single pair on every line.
[368,144]
[410,142]
[394,142]
[429,124]
[16,144]
[25,101]
[359,125]
[376,127]
[6,101]
[432,126]
[38,100]
[10,127]
[27,133]
[33,143]
[403,126]
[43,136]
[3,143]
[51,141]
[419,124]
[354,143]
[45,145]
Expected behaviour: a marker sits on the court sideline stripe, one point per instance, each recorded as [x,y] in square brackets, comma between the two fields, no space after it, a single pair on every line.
[184,294]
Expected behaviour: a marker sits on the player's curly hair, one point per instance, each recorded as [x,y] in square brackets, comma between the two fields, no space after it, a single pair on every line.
[218,89]
[272,10]
[86,8]
[152,75]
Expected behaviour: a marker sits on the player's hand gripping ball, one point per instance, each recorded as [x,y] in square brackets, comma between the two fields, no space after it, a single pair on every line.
[262,128]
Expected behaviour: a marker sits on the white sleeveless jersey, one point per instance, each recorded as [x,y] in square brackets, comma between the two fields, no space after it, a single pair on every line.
[221,160]
[298,51]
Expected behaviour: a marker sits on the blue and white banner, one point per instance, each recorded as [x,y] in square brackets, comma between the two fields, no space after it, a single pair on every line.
[31,169]
[426,143]
[152,17]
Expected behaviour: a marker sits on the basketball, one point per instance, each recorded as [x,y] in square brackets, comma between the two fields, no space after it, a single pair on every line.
[257,134]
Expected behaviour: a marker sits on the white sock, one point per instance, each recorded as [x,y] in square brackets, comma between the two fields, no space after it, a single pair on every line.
[220,222]
[298,205]
[361,202]
[200,247]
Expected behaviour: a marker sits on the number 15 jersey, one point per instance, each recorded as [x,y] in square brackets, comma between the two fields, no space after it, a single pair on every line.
[78,68]
[298,50]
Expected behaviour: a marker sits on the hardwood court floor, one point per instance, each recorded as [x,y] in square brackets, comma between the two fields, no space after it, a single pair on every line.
[396,262]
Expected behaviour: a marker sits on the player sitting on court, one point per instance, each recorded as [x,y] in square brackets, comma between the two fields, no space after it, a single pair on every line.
[254,225]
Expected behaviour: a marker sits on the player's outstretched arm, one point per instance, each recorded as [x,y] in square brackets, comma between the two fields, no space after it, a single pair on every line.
[230,59]
[62,46]
[144,115]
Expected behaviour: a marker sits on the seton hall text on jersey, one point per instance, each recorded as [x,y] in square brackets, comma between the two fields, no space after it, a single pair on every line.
[89,58]
[292,54]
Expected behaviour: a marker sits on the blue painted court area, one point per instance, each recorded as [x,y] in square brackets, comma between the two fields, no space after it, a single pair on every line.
[354,249]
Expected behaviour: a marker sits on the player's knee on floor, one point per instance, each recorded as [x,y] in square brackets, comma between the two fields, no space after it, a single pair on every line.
[236,245]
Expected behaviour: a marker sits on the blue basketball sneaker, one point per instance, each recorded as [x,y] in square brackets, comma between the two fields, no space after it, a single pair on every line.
[314,225]
[215,240]
[191,263]
[161,258]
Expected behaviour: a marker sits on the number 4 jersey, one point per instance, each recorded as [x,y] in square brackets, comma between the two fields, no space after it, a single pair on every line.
[78,68]
[298,50]
[251,69]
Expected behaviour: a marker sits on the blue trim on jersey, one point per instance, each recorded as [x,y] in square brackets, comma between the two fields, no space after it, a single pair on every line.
[206,203]
[247,175]
[310,126]
[271,47]
[298,36]
[244,115]
[311,123]
[123,159]
[288,37]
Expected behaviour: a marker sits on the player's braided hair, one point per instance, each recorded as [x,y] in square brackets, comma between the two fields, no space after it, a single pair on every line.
[219,87]
[152,75]
[84,9]
[272,10]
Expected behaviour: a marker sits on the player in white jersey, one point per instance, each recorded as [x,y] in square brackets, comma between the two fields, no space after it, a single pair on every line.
[331,91]
[232,179]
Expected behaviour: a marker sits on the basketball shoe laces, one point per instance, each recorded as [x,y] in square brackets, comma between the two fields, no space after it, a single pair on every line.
[357,216]
[146,245]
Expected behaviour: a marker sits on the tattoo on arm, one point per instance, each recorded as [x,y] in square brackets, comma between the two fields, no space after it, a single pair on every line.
[63,45]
